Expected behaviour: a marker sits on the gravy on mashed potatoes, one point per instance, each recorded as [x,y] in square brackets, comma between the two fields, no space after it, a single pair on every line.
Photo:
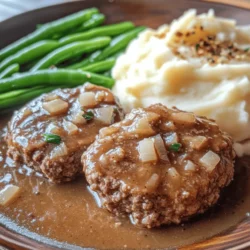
[198,63]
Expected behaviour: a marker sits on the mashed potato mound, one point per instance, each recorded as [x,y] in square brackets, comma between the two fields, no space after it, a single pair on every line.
[198,63]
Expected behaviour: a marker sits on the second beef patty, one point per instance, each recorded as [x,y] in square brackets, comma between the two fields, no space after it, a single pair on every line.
[159,165]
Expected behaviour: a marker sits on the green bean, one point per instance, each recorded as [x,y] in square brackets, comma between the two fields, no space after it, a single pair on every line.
[48,30]
[69,51]
[117,45]
[30,53]
[94,21]
[24,97]
[53,77]
[11,94]
[108,30]
[107,73]
[80,64]
[14,68]
[19,92]
[73,60]
[84,62]
[99,67]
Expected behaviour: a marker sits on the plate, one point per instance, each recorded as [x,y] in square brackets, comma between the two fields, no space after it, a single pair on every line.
[142,12]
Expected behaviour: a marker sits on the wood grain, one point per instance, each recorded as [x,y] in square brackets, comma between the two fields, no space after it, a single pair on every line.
[146,12]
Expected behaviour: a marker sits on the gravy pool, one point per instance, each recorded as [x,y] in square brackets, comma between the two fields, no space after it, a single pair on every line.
[69,213]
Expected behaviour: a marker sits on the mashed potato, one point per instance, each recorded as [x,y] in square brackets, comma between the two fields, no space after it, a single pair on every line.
[199,63]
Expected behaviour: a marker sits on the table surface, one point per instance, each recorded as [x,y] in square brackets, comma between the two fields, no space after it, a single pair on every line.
[9,8]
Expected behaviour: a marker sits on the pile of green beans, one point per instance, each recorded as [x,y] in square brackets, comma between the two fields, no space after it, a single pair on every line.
[64,53]
[119,43]
[71,50]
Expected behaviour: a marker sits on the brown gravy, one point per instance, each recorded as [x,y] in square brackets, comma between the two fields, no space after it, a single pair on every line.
[68,212]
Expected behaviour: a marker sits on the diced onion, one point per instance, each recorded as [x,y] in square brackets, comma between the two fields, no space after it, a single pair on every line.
[9,194]
[89,86]
[87,99]
[173,173]
[59,151]
[142,127]
[108,131]
[50,97]
[168,125]
[78,118]
[171,138]
[187,118]
[147,150]
[100,96]
[56,107]
[105,115]
[160,148]
[27,112]
[190,166]
[70,127]
[153,182]
[210,160]
[151,116]
[53,129]
[198,142]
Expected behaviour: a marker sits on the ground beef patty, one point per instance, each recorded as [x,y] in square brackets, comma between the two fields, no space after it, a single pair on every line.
[159,165]
[76,115]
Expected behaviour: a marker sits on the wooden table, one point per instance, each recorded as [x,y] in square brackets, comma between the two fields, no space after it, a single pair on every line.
[10,8]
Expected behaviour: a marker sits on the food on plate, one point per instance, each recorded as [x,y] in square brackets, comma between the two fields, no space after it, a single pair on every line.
[119,43]
[198,63]
[95,21]
[13,91]
[102,66]
[107,30]
[50,133]
[62,49]
[159,165]
[10,70]
[71,50]
[93,40]
[9,194]
[48,30]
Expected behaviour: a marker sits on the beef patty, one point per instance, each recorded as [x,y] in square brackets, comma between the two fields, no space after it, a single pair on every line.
[75,115]
[159,165]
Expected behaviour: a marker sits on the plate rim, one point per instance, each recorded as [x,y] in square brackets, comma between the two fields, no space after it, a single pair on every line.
[11,238]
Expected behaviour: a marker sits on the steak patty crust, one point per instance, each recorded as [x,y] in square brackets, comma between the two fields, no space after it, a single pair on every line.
[75,115]
[159,166]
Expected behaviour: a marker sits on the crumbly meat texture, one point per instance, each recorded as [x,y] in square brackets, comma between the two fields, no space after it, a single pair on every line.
[63,113]
[159,165]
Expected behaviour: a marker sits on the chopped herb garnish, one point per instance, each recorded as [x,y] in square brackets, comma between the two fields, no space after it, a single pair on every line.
[247,49]
[197,46]
[89,115]
[175,147]
[52,138]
